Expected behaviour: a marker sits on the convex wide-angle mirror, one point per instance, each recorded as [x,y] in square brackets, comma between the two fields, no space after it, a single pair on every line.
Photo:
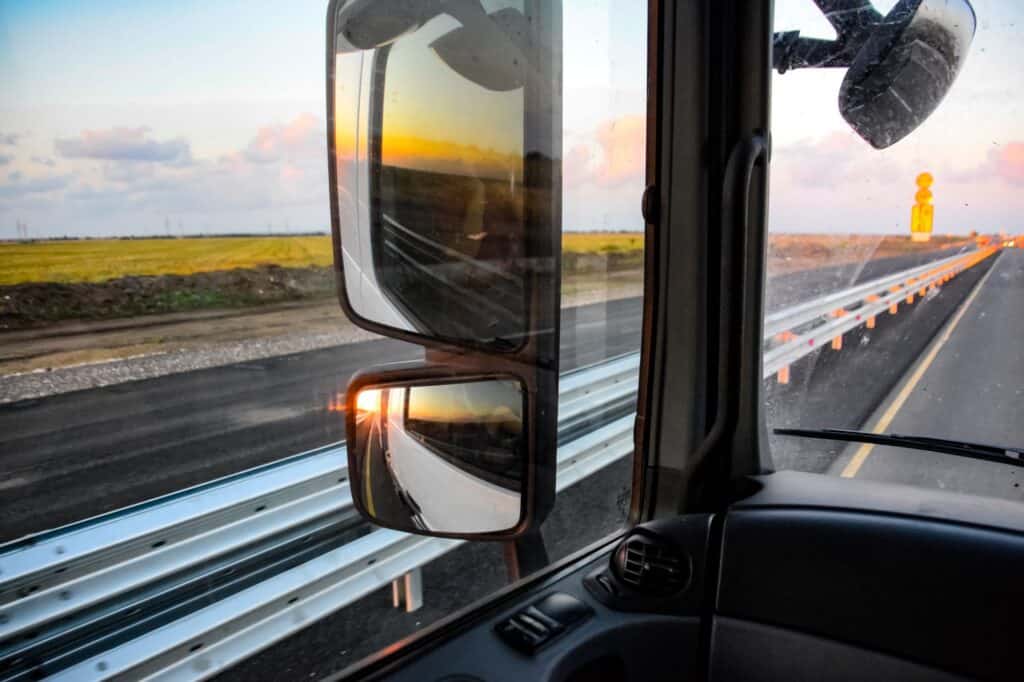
[901,65]
[444,125]
[440,457]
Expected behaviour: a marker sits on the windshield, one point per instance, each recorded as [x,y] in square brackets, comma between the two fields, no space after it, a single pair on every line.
[895,276]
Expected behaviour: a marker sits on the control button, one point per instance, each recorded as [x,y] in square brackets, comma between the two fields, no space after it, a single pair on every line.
[518,638]
[528,622]
[563,608]
[607,584]
[538,624]
[553,625]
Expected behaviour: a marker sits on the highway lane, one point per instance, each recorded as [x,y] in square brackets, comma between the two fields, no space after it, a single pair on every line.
[75,455]
[968,385]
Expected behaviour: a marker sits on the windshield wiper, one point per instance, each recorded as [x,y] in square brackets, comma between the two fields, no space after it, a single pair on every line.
[988,453]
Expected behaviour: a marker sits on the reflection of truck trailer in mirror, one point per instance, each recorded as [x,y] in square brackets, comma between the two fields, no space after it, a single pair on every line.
[445,497]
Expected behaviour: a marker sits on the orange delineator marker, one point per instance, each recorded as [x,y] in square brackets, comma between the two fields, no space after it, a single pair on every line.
[837,342]
[783,374]
[872,298]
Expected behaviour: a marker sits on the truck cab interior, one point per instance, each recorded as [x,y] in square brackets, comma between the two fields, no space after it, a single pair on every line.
[512,340]
[728,569]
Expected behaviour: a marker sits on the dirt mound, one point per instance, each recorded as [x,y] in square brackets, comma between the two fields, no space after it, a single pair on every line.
[38,304]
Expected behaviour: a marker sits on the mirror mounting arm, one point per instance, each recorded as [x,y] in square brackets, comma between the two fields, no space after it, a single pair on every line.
[853,21]
[525,555]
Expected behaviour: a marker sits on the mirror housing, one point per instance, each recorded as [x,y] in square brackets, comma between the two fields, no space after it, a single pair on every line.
[446,453]
[900,66]
[444,145]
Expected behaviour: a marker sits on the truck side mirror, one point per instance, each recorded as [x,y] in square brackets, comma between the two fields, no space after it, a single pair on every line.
[444,152]
[444,144]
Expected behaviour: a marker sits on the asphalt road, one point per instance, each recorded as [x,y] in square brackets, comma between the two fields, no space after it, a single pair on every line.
[75,455]
[967,386]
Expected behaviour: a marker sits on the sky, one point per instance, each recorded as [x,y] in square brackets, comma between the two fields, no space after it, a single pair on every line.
[128,118]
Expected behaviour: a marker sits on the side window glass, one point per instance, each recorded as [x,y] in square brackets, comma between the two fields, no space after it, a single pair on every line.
[173,360]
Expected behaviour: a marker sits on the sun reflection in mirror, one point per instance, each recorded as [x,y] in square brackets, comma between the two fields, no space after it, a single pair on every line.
[368,400]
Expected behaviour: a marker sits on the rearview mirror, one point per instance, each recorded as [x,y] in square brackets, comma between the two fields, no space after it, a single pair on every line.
[445,160]
[443,458]
[900,66]
[906,68]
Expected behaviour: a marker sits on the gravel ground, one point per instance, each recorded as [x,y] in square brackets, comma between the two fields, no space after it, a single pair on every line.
[172,360]
[41,383]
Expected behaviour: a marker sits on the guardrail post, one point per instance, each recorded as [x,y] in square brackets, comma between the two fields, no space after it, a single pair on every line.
[837,342]
[894,307]
[407,591]
[873,298]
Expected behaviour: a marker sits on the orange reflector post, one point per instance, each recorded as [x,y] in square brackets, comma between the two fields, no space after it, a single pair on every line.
[871,322]
[783,375]
[837,343]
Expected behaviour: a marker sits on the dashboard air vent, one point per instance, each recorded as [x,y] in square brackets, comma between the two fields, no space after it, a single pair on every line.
[651,565]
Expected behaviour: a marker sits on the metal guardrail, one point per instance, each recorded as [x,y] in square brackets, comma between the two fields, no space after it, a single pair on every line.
[802,329]
[186,585]
[58,587]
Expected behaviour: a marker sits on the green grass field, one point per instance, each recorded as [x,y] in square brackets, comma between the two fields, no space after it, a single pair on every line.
[99,260]
[104,259]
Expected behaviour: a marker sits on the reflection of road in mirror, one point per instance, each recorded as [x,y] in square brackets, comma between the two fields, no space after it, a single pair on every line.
[463,476]
[382,495]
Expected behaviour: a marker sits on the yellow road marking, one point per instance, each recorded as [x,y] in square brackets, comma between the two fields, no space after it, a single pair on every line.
[854,465]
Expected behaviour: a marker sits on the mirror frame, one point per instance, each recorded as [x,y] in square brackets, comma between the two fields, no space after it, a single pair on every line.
[538,488]
[542,132]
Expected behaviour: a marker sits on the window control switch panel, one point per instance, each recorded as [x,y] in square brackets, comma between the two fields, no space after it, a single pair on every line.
[542,621]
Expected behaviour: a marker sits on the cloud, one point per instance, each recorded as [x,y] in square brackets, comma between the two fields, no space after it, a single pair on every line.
[127,171]
[302,137]
[9,139]
[1009,162]
[18,186]
[4,159]
[1005,162]
[612,154]
[124,144]
[603,172]
[132,180]
[826,162]
[44,161]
